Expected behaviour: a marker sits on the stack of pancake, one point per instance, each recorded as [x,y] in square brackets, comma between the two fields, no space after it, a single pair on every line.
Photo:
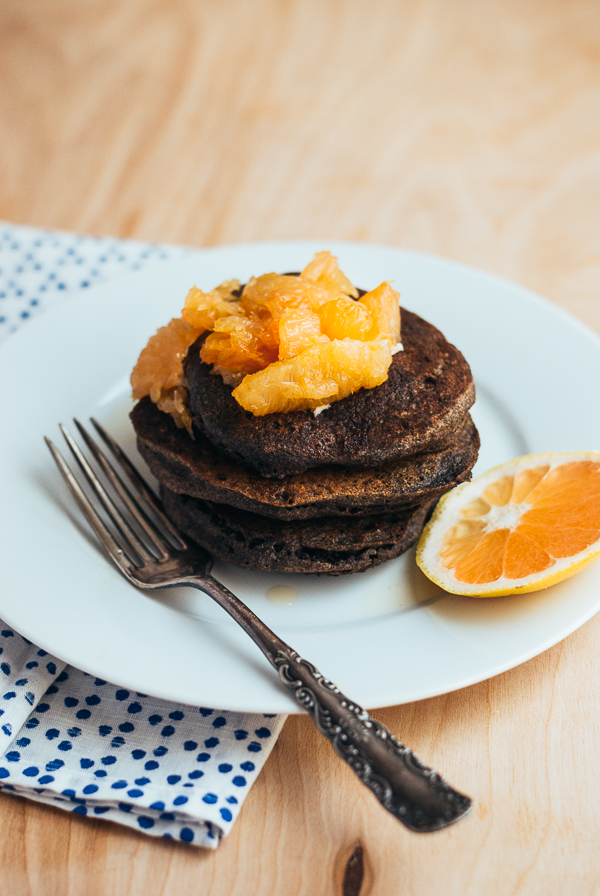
[332,493]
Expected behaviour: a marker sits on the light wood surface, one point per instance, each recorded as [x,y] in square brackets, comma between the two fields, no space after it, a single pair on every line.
[467,128]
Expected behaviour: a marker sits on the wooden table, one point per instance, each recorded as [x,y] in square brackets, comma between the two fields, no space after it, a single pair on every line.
[466,128]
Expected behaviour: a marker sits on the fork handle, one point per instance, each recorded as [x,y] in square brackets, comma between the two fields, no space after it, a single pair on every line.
[416,795]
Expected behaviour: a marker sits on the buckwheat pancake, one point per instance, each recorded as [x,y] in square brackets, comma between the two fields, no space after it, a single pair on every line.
[420,408]
[328,546]
[198,469]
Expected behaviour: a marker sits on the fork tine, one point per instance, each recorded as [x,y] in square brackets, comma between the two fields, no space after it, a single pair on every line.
[114,550]
[144,492]
[132,541]
[156,539]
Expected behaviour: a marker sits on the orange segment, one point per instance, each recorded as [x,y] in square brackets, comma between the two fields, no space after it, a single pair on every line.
[328,371]
[478,507]
[324,269]
[459,541]
[383,305]
[559,538]
[344,318]
[240,345]
[299,329]
[159,370]
[520,527]
[175,402]
[526,481]
[273,294]
[524,555]
[570,481]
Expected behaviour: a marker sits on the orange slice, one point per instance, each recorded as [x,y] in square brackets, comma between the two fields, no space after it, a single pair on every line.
[520,527]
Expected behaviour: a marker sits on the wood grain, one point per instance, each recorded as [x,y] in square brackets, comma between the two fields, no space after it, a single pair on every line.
[468,129]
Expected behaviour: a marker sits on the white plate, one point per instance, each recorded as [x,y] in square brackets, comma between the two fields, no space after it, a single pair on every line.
[387,636]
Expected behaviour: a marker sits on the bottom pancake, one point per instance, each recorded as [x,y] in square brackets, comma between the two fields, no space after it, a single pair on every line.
[330,546]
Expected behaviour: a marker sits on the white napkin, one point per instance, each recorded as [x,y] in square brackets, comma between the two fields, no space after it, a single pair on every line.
[75,741]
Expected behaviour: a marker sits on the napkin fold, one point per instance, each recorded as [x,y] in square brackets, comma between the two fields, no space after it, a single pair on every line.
[81,743]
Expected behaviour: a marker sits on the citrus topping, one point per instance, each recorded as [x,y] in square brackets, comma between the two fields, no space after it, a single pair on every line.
[299,329]
[159,370]
[522,526]
[276,319]
[175,402]
[383,306]
[240,345]
[160,365]
[324,269]
[327,372]
[203,309]
[273,294]
[343,318]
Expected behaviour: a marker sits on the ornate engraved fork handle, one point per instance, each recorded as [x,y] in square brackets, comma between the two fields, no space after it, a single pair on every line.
[415,794]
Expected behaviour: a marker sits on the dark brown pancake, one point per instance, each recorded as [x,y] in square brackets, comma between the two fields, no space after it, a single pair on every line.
[420,408]
[198,469]
[328,546]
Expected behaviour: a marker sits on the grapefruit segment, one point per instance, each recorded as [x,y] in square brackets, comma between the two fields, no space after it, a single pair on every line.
[344,318]
[159,370]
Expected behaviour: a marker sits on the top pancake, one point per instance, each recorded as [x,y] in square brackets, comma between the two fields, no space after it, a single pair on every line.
[418,409]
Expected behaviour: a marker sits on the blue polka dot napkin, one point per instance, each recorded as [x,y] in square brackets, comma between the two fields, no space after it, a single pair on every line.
[77,742]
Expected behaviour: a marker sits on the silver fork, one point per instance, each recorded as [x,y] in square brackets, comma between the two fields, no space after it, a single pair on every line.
[151,553]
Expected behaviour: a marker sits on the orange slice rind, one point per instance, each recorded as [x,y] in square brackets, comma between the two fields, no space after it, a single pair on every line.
[520,527]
